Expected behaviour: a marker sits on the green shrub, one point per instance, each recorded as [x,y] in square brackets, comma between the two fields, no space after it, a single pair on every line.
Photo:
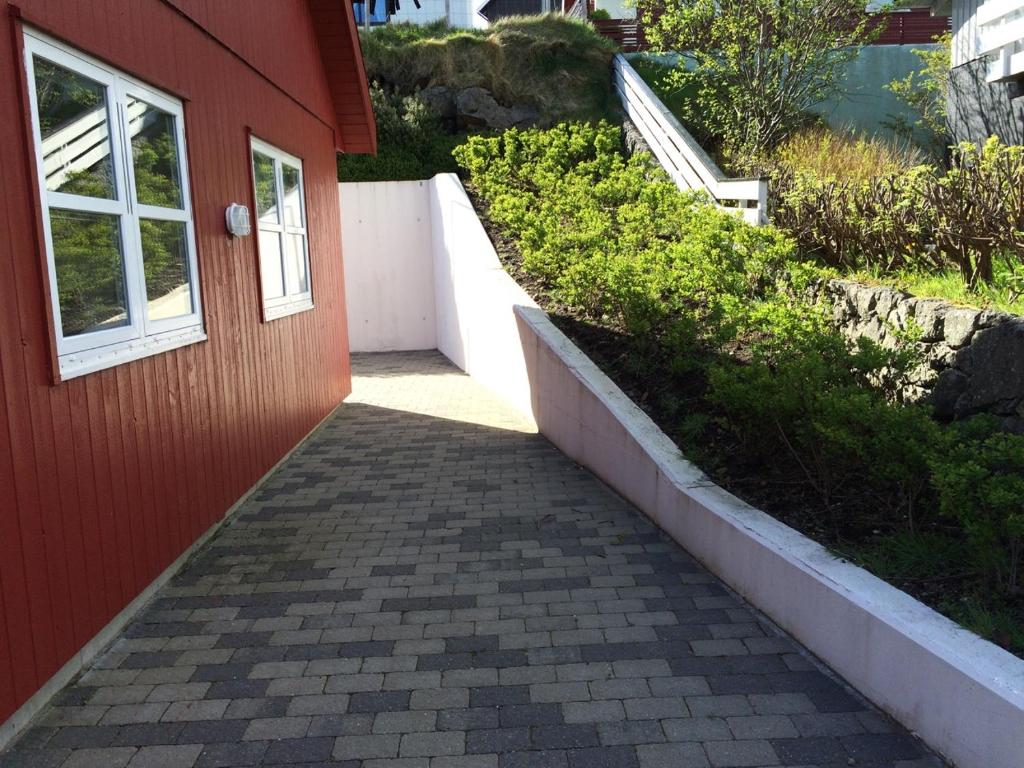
[600,14]
[980,481]
[616,239]
[926,90]
[811,398]
[412,143]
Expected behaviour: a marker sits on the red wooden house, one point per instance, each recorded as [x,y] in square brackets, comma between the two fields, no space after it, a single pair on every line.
[153,366]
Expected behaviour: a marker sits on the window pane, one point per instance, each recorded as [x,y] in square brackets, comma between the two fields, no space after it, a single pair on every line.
[292,196]
[75,132]
[165,262]
[266,188]
[155,155]
[90,271]
[295,264]
[270,265]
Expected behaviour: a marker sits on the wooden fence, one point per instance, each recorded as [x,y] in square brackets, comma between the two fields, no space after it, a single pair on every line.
[678,152]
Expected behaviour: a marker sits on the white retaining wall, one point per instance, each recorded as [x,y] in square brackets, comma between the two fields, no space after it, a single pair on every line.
[389,274]
[962,695]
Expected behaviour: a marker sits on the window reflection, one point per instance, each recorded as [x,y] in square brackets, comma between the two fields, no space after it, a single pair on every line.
[292,196]
[154,155]
[266,188]
[75,132]
[90,271]
[165,262]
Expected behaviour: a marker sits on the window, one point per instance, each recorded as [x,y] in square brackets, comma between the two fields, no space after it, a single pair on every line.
[281,223]
[120,241]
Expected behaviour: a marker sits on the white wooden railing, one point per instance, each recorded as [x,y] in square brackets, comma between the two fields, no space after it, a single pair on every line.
[1001,34]
[680,154]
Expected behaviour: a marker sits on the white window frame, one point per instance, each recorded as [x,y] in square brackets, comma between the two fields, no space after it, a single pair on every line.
[141,337]
[288,304]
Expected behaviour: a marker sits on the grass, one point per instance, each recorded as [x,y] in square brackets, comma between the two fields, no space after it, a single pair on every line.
[558,65]
[1004,294]
[845,157]
[920,564]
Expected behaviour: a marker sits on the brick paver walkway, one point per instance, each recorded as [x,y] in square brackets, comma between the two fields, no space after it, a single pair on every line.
[429,584]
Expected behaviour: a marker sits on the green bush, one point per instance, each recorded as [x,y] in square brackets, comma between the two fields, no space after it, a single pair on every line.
[412,142]
[810,397]
[616,239]
[979,477]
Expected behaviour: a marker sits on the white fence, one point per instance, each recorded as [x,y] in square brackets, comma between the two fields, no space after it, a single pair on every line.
[680,154]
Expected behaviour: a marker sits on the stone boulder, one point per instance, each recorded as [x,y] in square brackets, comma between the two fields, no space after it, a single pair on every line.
[476,108]
[439,100]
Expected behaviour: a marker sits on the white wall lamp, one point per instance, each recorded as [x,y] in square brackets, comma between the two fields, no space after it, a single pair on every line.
[236,217]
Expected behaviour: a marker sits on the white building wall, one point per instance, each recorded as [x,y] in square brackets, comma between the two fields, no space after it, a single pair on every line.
[461,13]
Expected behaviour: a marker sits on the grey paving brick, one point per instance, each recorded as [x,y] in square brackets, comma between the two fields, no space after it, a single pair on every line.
[166,756]
[405,722]
[762,727]
[631,732]
[102,757]
[433,744]
[358,747]
[671,756]
[655,708]
[325,704]
[559,692]
[697,729]
[603,757]
[498,740]
[737,754]
[593,712]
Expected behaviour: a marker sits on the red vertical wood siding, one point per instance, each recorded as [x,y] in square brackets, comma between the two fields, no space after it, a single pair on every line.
[105,479]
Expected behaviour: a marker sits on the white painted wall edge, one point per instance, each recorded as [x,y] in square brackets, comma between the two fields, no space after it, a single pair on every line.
[11,728]
[963,695]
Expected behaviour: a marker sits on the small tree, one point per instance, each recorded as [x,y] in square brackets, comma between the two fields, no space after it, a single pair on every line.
[755,66]
[926,91]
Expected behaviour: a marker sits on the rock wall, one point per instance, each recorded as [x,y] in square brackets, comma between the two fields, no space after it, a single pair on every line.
[973,358]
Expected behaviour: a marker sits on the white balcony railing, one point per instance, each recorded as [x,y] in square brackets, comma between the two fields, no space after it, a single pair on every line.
[1001,35]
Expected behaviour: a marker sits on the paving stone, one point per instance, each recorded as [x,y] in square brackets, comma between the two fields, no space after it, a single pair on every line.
[762,727]
[631,732]
[166,756]
[405,722]
[593,712]
[697,729]
[603,757]
[103,757]
[671,756]
[366,747]
[655,708]
[564,736]
[433,744]
[733,754]
[427,576]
